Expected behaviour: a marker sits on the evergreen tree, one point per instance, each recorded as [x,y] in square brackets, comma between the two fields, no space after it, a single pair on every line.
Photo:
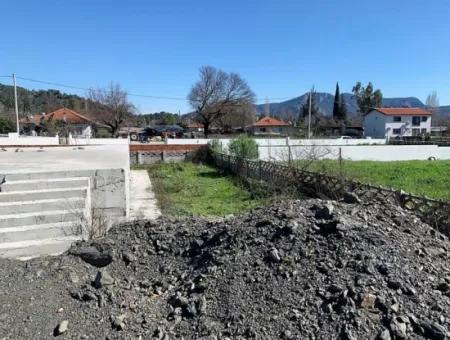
[366,97]
[337,103]
[342,109]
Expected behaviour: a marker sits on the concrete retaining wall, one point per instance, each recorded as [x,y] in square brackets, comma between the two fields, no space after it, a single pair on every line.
[280,141]
[98,141]
[356,153]
[15,139]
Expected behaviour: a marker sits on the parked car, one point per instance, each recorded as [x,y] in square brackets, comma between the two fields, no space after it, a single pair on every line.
[163,131]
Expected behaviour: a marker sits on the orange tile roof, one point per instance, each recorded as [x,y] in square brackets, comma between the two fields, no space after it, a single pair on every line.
[269,121]
[404,111]
[195,126]
[64,114]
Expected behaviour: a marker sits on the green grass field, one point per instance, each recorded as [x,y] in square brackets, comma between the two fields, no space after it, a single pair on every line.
[430,178]
[200,190]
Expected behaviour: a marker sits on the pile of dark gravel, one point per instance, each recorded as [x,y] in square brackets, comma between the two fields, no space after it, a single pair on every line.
[295,270]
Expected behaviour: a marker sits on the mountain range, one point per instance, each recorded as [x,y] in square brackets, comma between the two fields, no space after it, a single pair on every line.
[291,108]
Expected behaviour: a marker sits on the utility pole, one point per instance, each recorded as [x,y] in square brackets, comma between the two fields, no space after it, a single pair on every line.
[309,115]
[16,104]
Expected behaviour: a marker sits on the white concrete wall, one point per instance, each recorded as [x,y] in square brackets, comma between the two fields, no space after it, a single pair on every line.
[98,141]
[374,125]
[15,139]
[282,141]
[356,152]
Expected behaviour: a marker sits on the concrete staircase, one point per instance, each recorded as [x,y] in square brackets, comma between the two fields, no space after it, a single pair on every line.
[41,213]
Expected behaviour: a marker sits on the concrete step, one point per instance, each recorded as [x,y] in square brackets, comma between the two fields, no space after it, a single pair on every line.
[18,207]
[38,232]
[31,195]
[20,176]
[25,250]
[44,217]
[40,184]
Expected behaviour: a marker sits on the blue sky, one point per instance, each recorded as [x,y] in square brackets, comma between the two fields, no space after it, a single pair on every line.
[281,48]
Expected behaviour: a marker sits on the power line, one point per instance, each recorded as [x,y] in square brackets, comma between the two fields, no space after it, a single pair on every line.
[130,94]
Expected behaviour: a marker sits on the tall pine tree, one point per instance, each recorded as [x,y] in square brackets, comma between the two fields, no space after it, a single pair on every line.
[337,103]
[342,109]
[339,107]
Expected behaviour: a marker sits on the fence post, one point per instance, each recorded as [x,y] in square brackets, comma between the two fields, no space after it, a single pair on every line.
[138,157]
[260,169]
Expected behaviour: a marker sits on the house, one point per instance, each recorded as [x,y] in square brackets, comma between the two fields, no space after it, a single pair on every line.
[269,126]
[68,121]
[194,127]
[397,122]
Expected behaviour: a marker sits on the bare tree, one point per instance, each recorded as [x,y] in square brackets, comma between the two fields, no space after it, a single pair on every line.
[238,117]
[218,93]
[111,106]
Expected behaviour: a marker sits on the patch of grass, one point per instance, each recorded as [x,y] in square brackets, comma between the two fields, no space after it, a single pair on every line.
[201,190]
[429,178]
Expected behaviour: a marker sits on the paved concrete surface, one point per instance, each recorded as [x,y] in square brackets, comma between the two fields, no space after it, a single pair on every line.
[64,158]
[143,203]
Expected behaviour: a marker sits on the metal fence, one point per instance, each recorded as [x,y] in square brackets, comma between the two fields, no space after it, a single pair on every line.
[314,184]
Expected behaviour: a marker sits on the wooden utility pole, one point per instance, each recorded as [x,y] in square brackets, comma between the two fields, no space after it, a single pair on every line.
[309,115]
[16,104]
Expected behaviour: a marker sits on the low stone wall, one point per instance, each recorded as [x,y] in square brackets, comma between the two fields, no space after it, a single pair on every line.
[313,184]
[150,154]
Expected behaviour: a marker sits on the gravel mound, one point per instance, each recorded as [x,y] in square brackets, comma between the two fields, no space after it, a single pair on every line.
[294,270]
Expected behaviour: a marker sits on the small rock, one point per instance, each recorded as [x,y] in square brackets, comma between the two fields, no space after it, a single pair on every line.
[103,279]
[274,256]
[325,211]
[351,198]
[92,255]
[128,258]
[394,284]
[368,301]
[119,322]
[61,328]
[433,330]
[398,328]
[384,335]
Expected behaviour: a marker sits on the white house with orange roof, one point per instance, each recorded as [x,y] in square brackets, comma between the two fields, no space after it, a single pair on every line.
[383,122]
[269,125]
[78,124]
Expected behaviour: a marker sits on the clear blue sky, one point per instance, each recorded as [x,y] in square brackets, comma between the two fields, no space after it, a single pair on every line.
[280,47]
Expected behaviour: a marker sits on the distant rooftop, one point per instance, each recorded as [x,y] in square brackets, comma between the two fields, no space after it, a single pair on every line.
[269,121]
[404,111]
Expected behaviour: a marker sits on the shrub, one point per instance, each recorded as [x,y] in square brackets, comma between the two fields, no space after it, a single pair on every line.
[6,125]
[243,147]
[215,146]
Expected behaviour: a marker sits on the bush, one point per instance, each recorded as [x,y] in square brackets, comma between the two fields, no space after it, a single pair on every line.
[6,125]
[243,147]
[215,146]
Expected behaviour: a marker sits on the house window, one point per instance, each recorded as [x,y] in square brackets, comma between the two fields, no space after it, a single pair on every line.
[424,118]
[397,119]
[423,131]
[416,132]
[415,121]
[396,131]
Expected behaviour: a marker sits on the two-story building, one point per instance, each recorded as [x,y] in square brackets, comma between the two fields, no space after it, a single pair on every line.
[383,122]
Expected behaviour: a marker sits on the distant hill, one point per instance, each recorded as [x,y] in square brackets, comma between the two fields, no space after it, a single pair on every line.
[325,101]
[35,102]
